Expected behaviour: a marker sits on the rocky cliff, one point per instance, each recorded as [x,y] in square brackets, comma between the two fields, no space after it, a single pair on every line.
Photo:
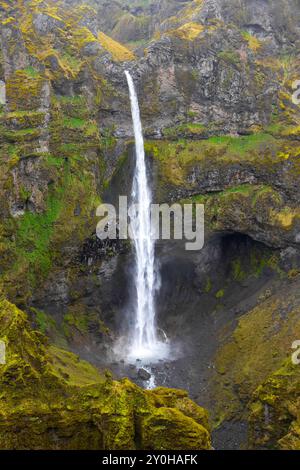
[215,84]
[50,399]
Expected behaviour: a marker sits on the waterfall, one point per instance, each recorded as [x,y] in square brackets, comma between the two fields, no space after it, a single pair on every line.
[145,343]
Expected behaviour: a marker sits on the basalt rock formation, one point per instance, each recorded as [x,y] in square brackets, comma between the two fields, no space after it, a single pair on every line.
[215,81]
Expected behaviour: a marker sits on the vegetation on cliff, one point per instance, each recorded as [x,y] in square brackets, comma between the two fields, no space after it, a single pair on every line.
[254,371]
[51,399]
[215,84]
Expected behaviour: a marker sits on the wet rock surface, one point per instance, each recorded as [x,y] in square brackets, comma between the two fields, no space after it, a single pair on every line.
[143,374]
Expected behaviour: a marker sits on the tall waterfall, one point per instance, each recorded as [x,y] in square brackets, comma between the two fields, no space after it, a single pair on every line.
[145,343]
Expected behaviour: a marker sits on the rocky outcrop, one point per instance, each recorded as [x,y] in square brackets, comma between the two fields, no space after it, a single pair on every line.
[274,410]
[247,184]
[213,79]
[254,370]
[206,75]
[132,22]
[51,399]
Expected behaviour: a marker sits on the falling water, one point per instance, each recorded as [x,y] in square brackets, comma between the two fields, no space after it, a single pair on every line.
[145,343]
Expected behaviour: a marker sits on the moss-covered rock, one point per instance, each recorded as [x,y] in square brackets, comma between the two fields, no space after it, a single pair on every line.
[274,410]
[255,379]
[50,399]
[50,141]
[247,184]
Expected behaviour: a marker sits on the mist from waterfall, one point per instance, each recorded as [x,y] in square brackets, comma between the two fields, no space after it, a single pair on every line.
[144,343]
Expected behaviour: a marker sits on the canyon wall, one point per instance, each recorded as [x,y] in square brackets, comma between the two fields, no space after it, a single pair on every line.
[215,84]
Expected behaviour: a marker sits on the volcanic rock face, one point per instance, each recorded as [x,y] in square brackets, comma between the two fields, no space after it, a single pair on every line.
[54,400]
[215,84]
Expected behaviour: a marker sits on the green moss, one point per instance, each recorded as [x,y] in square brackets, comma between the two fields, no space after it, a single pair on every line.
[161,431]
[258,346]
[23,91]
[108,140]
[32,72]
[71,62]
[208,286]
[58,401]
[34,234]
[278,396]
[75,106]
[253,43]
[52,161]
[22,135]
[152,149]
[75,319]
[234,202]
[72,369]
[237,271]
[119,52]
[74,123]
[230,56]
[26,120]
[44,322]
[70,148]
[40,237]
[185,130]
[176,158]
[75,100]
[220,294]
[243,144]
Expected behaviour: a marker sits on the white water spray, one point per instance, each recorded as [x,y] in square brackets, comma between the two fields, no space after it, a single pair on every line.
[145,343]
